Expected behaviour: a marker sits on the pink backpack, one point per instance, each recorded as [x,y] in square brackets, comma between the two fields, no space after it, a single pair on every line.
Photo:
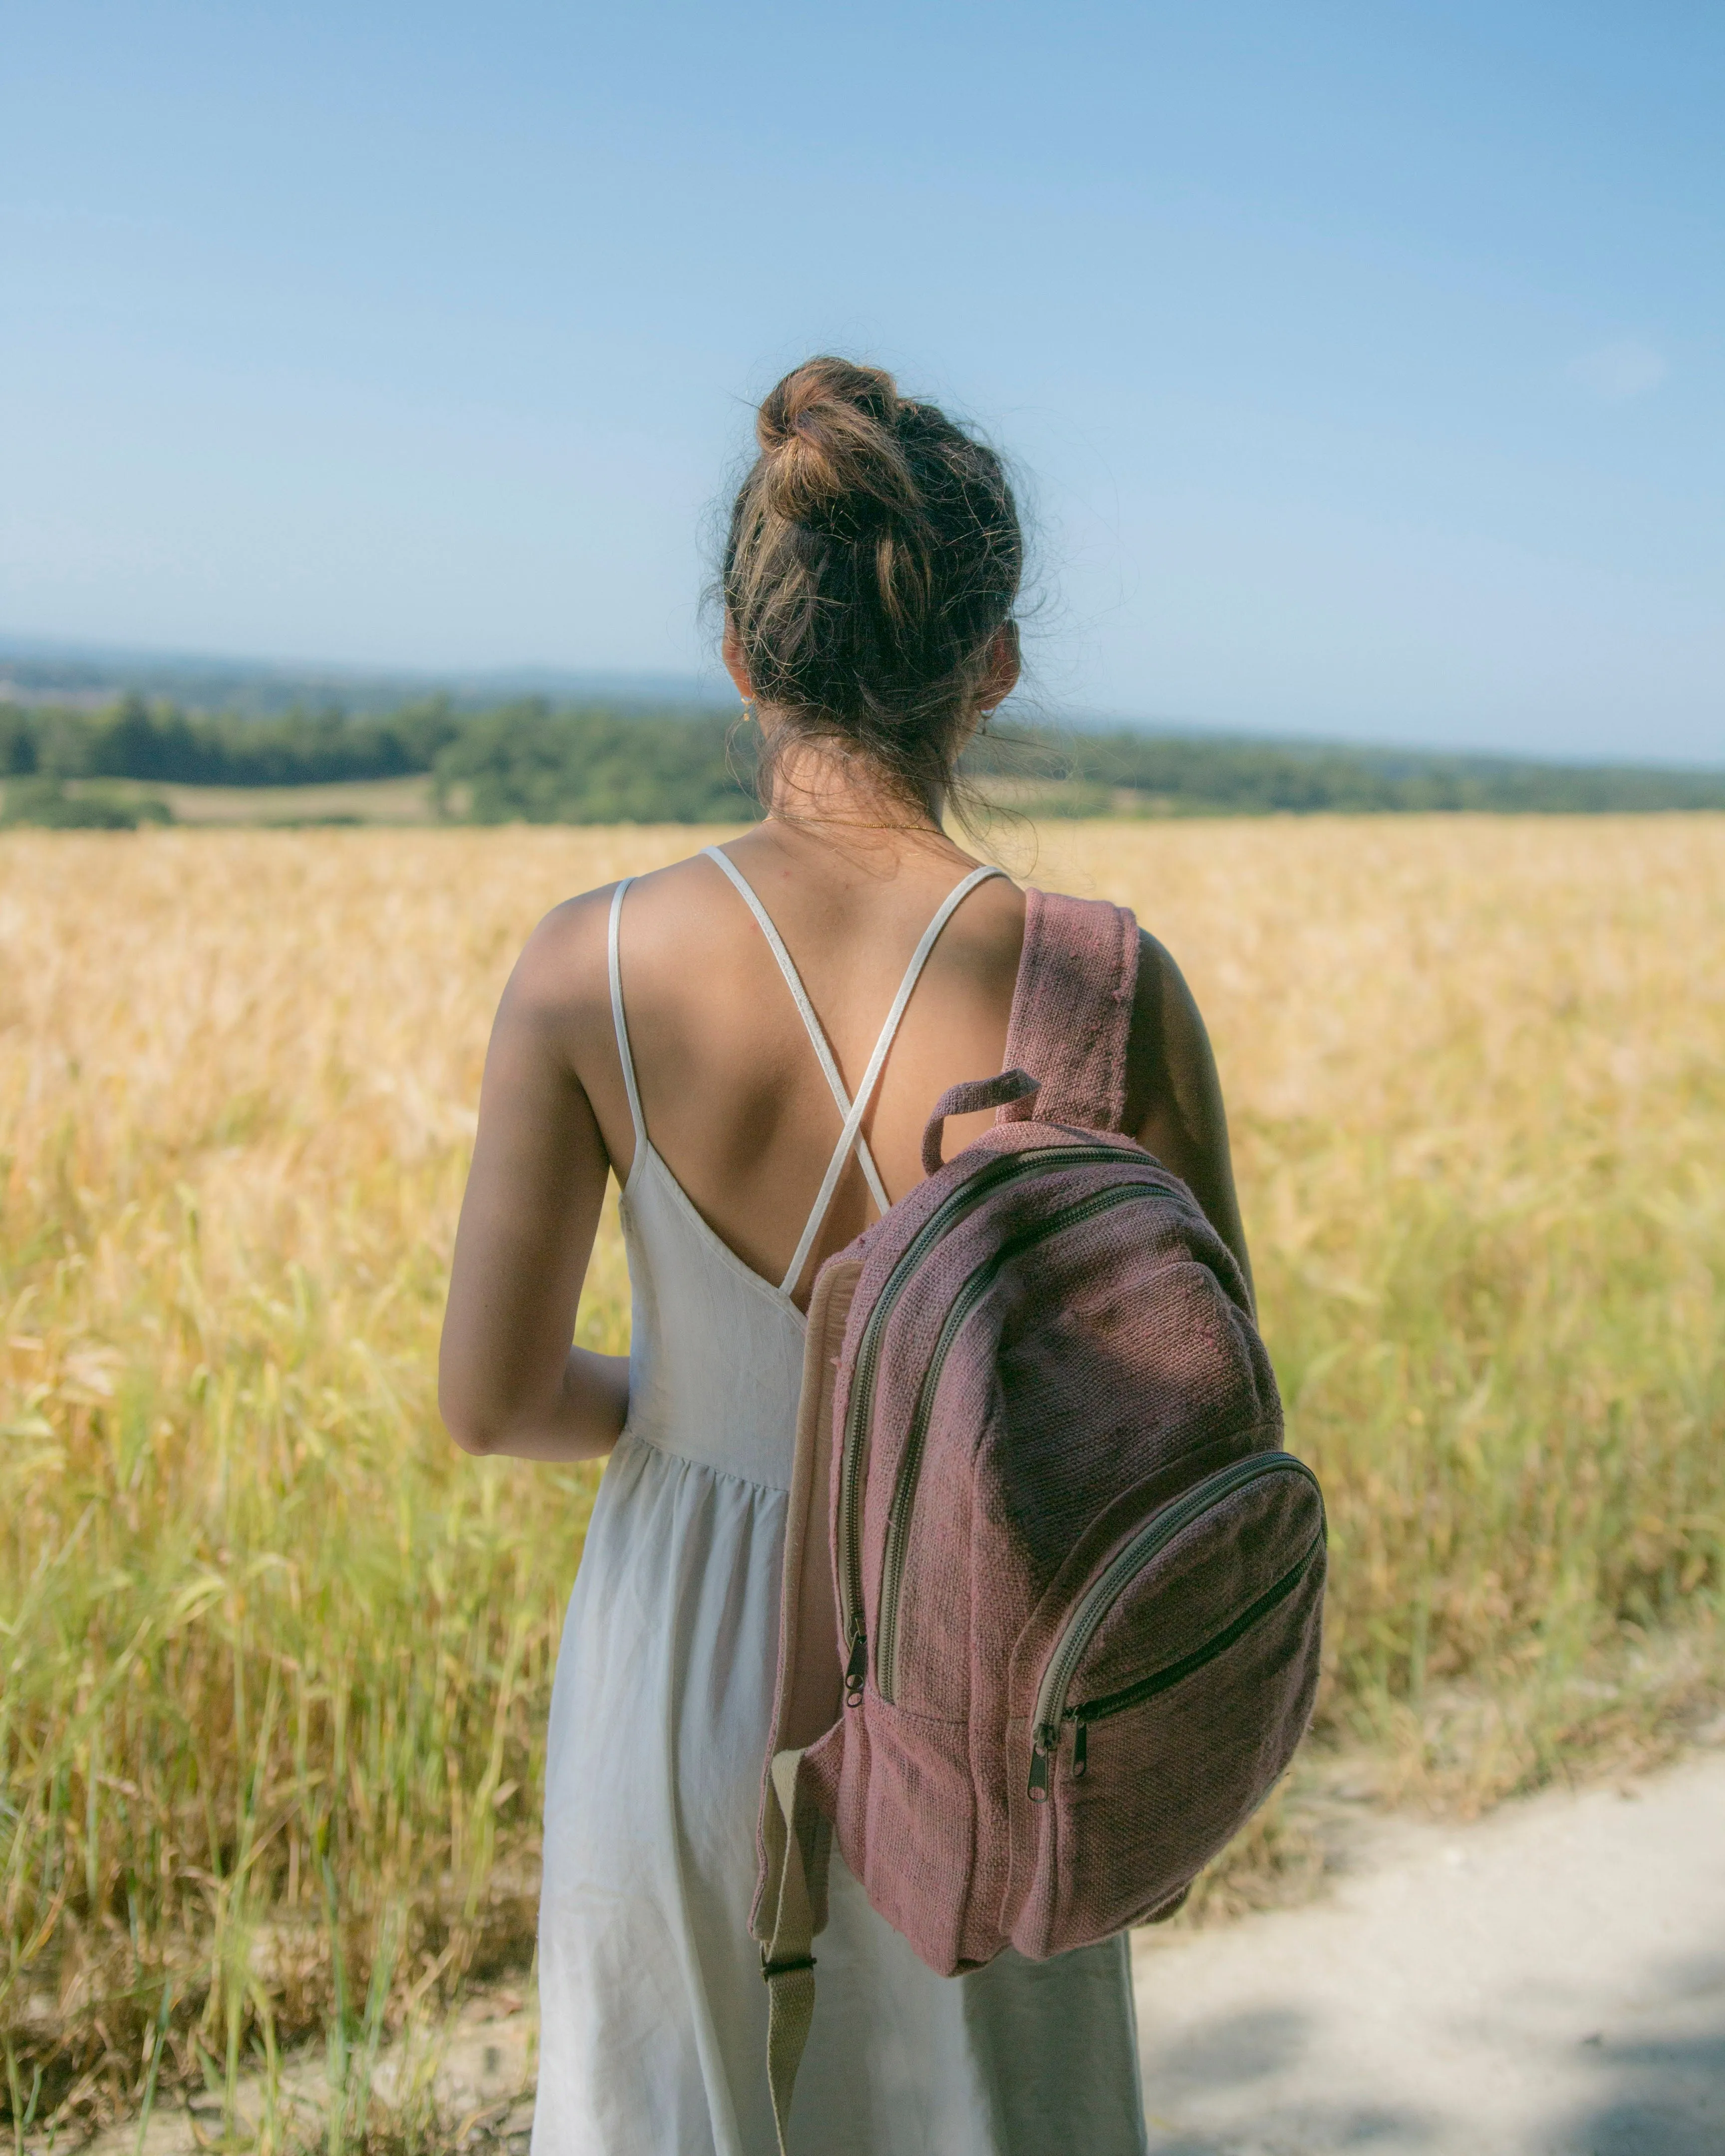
[1052,1587]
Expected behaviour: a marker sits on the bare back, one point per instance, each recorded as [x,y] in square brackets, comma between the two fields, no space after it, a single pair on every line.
[733,1098]
[732,1091]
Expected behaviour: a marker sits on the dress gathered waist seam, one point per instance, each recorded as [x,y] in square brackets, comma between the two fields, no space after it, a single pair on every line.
[629,1434]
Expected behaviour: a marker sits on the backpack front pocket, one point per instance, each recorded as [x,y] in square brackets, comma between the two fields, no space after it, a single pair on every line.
[1173,1696]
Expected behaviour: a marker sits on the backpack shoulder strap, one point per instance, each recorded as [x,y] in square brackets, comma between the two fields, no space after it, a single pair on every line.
[1072,1009]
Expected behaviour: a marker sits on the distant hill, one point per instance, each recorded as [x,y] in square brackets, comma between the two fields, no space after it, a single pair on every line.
[533,760]
[1130,771]
[87,677]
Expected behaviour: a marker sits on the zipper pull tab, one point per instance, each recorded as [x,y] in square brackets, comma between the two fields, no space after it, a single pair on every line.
[1039,1765]
[855,1669]
[1081,1749]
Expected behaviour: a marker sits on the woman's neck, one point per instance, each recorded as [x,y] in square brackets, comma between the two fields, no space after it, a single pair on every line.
[823,786]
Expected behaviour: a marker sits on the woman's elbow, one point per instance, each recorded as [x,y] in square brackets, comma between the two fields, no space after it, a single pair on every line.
[472,1439]
[474,1431]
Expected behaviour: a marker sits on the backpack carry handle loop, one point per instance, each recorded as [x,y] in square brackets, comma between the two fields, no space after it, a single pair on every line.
[965,1099]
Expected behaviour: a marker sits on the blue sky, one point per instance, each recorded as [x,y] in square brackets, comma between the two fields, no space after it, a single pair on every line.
[1365,364]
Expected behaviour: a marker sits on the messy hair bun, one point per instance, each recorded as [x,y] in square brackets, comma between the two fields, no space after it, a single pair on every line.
[873,551]
[829,438]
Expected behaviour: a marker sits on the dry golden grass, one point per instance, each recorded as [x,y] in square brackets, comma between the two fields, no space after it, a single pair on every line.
[275,1659]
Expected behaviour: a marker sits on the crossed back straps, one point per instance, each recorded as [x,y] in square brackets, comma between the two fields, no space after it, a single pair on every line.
[850,1137]
[1071,1012]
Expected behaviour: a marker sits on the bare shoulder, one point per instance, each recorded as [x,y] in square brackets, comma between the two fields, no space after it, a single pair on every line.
[561,975]
[560,985]
[985,938]
[565,964]
[995,908]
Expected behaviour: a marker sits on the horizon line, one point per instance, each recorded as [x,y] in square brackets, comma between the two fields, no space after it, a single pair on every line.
[644,684]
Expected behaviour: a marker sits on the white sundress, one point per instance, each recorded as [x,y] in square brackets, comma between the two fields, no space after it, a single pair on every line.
[653,2013]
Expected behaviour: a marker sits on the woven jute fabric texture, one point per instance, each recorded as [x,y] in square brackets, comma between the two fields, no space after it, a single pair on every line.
[1071,1008]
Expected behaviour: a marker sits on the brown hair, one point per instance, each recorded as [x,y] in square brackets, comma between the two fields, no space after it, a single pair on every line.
[873,550]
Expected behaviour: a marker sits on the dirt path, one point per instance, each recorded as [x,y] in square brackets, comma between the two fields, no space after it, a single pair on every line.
[1550,1981]
[1547,1982]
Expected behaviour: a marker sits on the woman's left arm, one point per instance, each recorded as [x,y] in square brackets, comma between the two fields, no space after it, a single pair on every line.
[508,1380]
[1174,1096]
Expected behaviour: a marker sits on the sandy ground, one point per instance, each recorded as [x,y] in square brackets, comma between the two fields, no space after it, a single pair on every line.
[1550,1981]
[1547,1982]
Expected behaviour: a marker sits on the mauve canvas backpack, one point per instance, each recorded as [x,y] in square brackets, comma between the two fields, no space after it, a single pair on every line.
[1053,1588]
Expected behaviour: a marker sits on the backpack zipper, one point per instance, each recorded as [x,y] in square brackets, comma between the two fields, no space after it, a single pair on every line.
[957,1206]
[904,1496]
[1052,1710]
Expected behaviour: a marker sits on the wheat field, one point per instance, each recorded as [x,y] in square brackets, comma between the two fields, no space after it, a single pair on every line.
[274,1660]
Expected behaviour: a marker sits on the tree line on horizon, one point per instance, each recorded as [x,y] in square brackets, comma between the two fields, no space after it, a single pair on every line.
[530,761]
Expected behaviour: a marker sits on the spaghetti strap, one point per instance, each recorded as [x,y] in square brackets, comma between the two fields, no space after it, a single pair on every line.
[851,1134]
[817,1034]
[621,1025]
